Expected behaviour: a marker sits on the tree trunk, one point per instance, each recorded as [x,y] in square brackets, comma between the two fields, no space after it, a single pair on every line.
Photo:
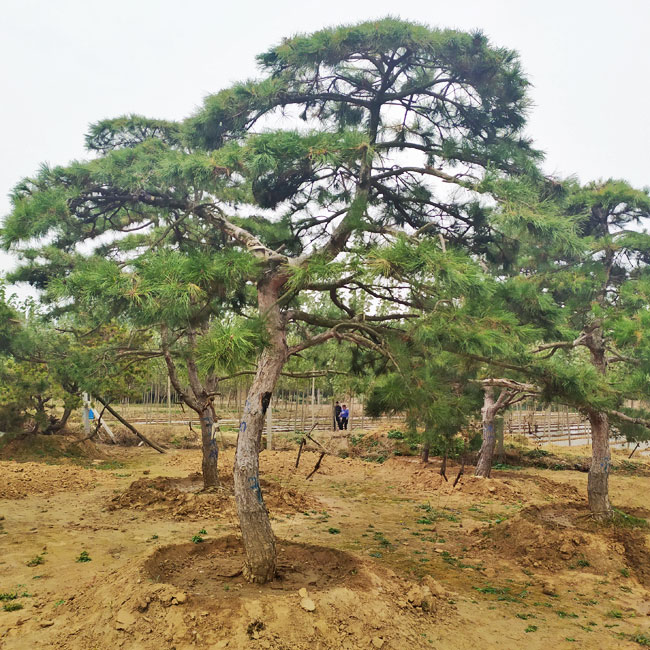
[258,538]
[443,465]
[484,463]
[209,448]
[598,481]
[199,397]
[425,452]
[57,425]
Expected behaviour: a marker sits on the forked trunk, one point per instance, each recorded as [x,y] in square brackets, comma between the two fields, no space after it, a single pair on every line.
[199,398]
[258,538]
[209,448]
[486,454]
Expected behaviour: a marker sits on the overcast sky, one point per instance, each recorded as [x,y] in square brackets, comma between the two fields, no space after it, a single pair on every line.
[66,63]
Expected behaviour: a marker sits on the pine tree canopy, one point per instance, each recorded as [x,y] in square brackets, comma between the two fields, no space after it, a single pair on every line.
[384,159]
[357,146]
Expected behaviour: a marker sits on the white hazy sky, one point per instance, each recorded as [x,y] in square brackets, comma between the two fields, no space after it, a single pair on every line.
[66,63]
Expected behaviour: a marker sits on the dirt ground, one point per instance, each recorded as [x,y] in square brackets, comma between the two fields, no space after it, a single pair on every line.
[124,550]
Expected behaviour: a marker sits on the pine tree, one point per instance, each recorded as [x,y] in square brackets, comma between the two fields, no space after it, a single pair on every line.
[382,121]
[605,295]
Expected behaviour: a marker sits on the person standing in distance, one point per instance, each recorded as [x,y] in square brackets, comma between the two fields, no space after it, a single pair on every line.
[337,416]
[345,416]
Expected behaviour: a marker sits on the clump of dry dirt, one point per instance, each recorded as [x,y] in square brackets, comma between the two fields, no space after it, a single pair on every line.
[322,598]
[561,536]
[636,547]
[184,498]
[20,480]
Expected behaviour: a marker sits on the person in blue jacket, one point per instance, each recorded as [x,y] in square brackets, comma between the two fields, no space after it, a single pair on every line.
[345,416]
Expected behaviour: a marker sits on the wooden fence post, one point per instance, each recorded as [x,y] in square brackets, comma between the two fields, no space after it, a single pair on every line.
[269,427]
[313,402]
[169,401]
[86,414]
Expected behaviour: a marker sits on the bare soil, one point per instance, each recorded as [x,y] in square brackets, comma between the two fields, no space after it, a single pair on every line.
[370,556]
[185,499]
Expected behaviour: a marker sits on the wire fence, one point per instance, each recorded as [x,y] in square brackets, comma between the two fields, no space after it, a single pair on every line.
[556,426]
[302,410]
[289,412]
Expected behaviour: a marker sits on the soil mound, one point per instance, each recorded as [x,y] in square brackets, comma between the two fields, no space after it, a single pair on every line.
[20,480]
[212,567]
[505,486]
[59,447]
[184,498]
[565,536]
[322,598]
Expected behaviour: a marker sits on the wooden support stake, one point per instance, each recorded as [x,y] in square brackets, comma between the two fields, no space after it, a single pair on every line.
[106,427]
[461,471]
[313,471]
[302,444]
[130,427]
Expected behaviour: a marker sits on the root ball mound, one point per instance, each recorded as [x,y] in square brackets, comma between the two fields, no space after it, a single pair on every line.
[504,486]
[212,567]
[565,536]
[322,598]
[59,447]
[184,498]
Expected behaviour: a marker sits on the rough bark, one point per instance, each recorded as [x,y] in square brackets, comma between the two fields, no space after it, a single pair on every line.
[486,454]
[594,339]
[425,452]
[598,481]
[258,538]
[200,391]
[210,450]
